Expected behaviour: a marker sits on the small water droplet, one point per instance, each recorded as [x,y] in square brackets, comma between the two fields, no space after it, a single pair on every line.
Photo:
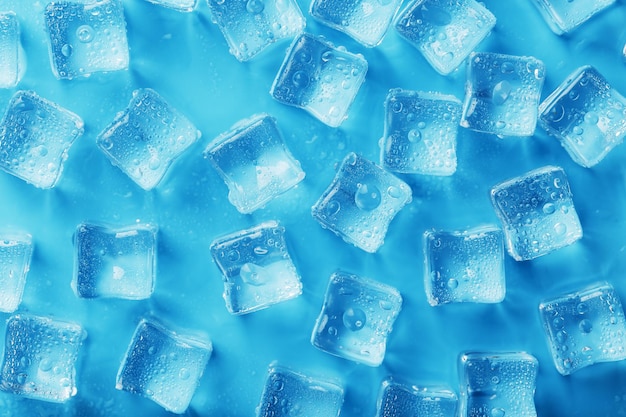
[453,283]
[394,192]
[549,208]
[501,92]
[354,319]
[84,33]
[255,6]
[414,135]
[497,412]
[367,196]
[184,374]
[585,326]
[591,118]
[66,50]
[560,229]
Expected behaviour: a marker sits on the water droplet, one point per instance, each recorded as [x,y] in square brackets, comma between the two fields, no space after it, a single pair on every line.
[549,208]
[558,322]
[332,331]
[255,6]
[557,113]
[253,274]
[507,67]
[66,50]
[21,378]
[151,350]
[497,412]
[453,283]
[354,319]
[582,308]
[394,192]
[585,326]
[259,250]
[591,118]
[573,95]
[184,374]
[233,255]
[45,365]
[154,163]
[327,56]
[84,33]
[396,106]
[414,135]
[500,124]
[367,196]
[501,92]
[560,229]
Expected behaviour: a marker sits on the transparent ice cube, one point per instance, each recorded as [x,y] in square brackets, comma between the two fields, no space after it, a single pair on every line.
[145,138]
[464,266]
[118,262]
[35,136]
[86,37]
[360,202]
[257,269]
[15,254]
[163,366]
[250,26]
[319,78]
[585,327]
[420,132]
[288,393]
[402,400]
[254,162]
[586,114]
[356,318]
[445,31]
[367,21]
[566,15]
[502,93]
[12,56]
[179,5]
[537,213]
[497,384]
[40,356]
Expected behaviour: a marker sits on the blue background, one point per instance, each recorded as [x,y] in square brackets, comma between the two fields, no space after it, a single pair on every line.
[185,58]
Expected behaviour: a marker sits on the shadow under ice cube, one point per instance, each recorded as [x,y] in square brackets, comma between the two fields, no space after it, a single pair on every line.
[464,266]
[145,138]
[360,202]
[497,384]
[401,400]
[35,136]
[115,262]
[86,37]
[566,15]
[254,162]
[356,318]
[40,357]
[502,94]
[537,213]
[586,114]
[257,269]
[163,366]
[12,56]
[585,327]
[319,78]
[15,254]
[288,393]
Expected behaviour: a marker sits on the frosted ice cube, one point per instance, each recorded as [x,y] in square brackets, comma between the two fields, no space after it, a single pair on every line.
[114,262]
[497,384]
[464,266]
[360,202]
[566,15]
[537,213]
[179,5]
[420,132]
[35,136]
[40,357]
[86,37]
[288,393]
[445,31]
[254,162]
[163,366]
[12,56]
[356,318]
[402,400]
[319,78]
[586,114]
[145,138]
[257,269]
[585,327]
[502,93]
[367,21]
[15,254]
[250,26]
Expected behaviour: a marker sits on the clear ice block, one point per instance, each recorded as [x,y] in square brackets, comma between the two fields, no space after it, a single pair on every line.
[163,366]
[445,31]
[497,384]
[35,136]
[179,5]
[115,262]
[402,400]
[566,15]
[145,138]
[288,393]
[40,356]
[86,37]
[537,213]
[356,318]
[420,133]
[15,254]
[257,269]
[360,202]
[366,21]
[319,78]
[585,327]
[12,56]
[586,114]
[250,26]
[502,94]
[254,162]
[464,266]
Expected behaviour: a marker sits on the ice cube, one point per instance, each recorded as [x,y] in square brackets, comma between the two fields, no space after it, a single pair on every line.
[566,15]
[15,254]
[257,269]
[12,56]
[163,366]
[402,400]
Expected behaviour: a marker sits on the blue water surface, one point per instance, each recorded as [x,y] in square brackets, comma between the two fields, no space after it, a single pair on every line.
[185,58]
